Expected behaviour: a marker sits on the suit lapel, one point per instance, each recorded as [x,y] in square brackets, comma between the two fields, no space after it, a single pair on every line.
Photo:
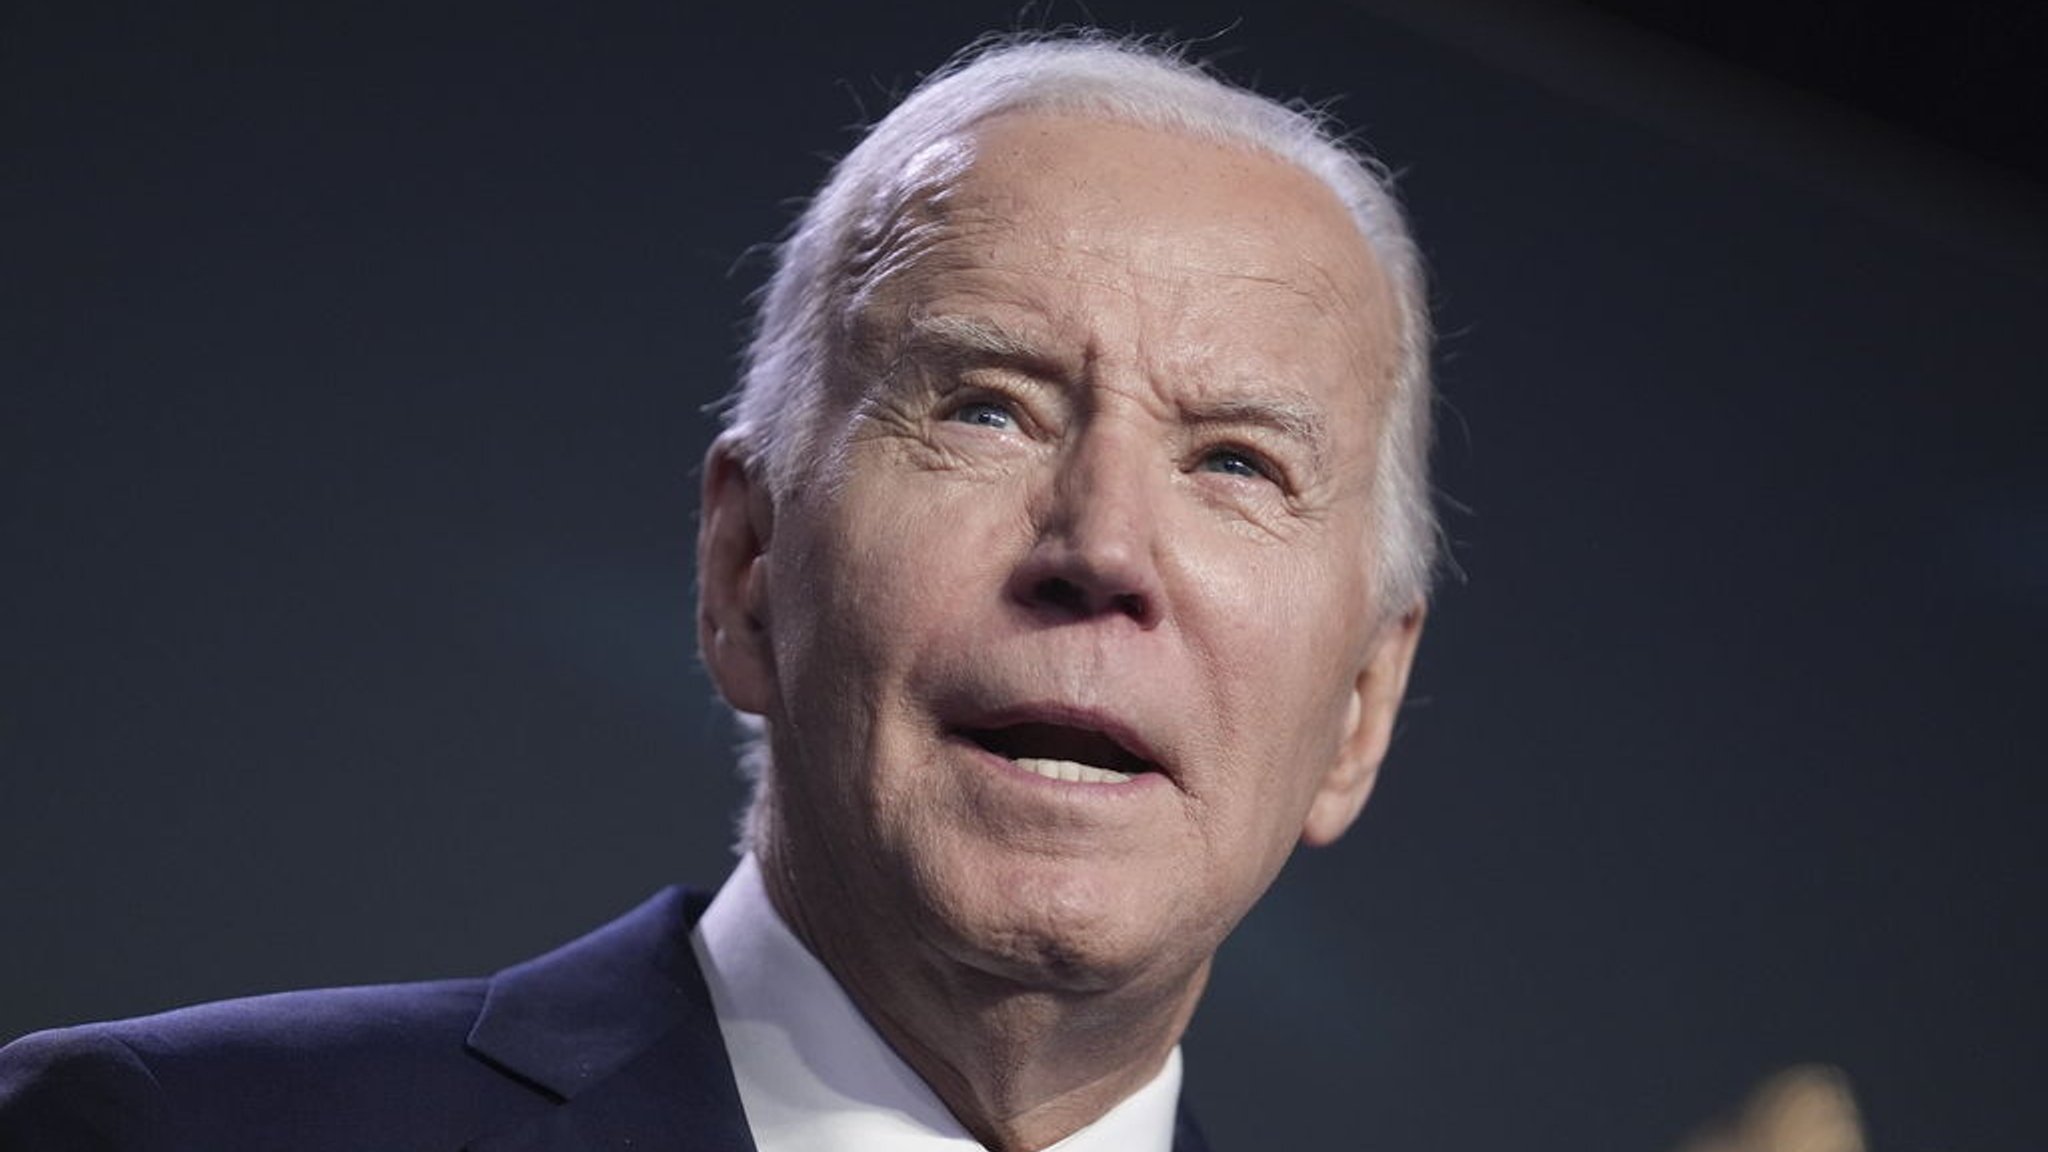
[618,1028]
[1187,1135]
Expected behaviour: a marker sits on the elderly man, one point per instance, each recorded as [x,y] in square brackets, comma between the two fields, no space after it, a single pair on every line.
[1068,547]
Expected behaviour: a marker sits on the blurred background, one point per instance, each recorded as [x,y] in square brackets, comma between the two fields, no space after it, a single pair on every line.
[352,366]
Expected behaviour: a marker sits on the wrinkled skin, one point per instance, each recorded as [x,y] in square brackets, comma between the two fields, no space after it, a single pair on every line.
[1100,461]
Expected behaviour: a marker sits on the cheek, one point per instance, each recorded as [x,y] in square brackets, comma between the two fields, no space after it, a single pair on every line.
[1278,641]
[907,567]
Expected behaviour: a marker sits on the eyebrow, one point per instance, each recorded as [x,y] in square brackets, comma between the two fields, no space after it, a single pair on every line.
[974,336]
[1296,419]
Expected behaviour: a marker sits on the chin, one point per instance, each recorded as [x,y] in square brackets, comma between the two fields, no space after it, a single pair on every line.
[1059,926]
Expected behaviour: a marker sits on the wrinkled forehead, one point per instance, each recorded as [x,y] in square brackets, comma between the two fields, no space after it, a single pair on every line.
[1210,228]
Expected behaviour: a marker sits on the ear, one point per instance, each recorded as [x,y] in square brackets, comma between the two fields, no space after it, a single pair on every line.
[736,523]
[1375,700]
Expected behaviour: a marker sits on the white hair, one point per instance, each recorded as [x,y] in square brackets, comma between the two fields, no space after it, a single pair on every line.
[805,309]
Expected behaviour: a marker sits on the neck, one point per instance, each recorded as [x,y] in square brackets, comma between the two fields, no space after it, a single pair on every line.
[1020,1066]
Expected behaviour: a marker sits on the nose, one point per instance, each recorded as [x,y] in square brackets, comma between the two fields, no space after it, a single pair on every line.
[1097,533]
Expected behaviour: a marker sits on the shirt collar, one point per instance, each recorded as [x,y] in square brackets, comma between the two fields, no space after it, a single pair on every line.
[814,1076]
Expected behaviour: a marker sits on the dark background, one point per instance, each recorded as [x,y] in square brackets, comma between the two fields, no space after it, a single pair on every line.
[351,367]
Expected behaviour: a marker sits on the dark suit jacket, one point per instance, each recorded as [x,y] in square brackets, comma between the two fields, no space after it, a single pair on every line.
[607,1042]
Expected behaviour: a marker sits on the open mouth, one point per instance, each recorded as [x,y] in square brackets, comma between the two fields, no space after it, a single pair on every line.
[1062,752]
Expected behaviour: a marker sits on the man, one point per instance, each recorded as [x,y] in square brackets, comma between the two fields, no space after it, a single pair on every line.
[1069,543]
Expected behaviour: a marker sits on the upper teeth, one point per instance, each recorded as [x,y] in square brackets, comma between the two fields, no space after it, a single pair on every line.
[1071,772]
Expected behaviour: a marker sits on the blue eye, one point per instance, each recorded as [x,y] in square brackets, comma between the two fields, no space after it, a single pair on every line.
[1232,462]
[986,413]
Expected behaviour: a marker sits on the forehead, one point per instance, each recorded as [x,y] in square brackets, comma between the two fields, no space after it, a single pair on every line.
[1098,237]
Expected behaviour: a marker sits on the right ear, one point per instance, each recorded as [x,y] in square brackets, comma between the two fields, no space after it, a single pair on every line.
[734,527]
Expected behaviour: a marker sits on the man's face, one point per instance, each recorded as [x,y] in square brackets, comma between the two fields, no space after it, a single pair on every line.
[1067,637]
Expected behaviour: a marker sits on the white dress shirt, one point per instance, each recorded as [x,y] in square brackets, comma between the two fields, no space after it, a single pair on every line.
[814,1076]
